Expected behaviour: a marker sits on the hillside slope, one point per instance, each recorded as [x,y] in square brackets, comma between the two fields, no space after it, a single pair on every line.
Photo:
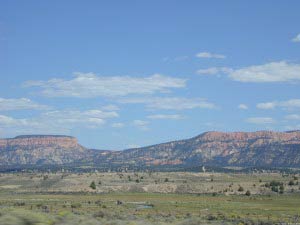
[262,148]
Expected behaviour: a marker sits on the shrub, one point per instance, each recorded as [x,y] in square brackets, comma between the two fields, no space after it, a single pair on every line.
[75,205]
[241,189]
[248,193]
[93,185]
[19,204]
[211,217]
[281,189]
[291,183]
[275,183]
[274,188]
[99,214]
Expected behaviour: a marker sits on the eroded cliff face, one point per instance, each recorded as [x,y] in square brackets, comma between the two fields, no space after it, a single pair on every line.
[40,149]
[220,143]
[268,136]
[262,148]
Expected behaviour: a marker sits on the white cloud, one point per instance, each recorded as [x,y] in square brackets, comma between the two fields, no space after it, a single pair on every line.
[8,104]
[260,120]
[174,103]
[296,39]
[266,105]
[6,121]
[141,124]
[165,116]
[87,85]
[293,117]
[118,125]
[270,72]
[208,71]
[289,104]
[23,126]
[56,121]
[210,55]
[89,117]
[243,106]
[213,70]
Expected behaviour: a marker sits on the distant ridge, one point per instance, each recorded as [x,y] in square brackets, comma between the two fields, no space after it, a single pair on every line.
[213,148]
[41,136]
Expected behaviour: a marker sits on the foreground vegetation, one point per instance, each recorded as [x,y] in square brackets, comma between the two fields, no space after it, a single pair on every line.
[184,198]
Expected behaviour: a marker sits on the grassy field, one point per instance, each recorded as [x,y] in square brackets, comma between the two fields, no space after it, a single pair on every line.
[144,198]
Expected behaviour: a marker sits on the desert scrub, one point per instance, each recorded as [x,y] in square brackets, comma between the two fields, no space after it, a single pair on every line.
[71,219]
[23,217]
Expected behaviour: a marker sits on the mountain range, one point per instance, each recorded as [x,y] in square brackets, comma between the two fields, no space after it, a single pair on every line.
[218,149]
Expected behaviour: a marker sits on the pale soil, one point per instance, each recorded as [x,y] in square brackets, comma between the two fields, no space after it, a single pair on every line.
[179,182]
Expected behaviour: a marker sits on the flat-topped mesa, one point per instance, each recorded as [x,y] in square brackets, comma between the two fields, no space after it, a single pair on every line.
[240,136]
[32,141]
[40,149]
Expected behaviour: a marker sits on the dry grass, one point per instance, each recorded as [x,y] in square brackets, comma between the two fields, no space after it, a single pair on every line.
[182,198]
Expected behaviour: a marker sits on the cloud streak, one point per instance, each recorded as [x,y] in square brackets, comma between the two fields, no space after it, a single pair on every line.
[270,72]
[243,106]
[11,104]
[56,121]
[170,103]
[141,124]
[89,85]
[210,55]
[165,117]
[293,117]
[289,104]
[118,125]
[266,73]
[260,120]
[213,70]
[296,39]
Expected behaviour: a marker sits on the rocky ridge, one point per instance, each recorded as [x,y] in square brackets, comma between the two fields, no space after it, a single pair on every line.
[243,149]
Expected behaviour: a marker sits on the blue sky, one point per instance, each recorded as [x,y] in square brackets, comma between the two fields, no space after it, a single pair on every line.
[119,74]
